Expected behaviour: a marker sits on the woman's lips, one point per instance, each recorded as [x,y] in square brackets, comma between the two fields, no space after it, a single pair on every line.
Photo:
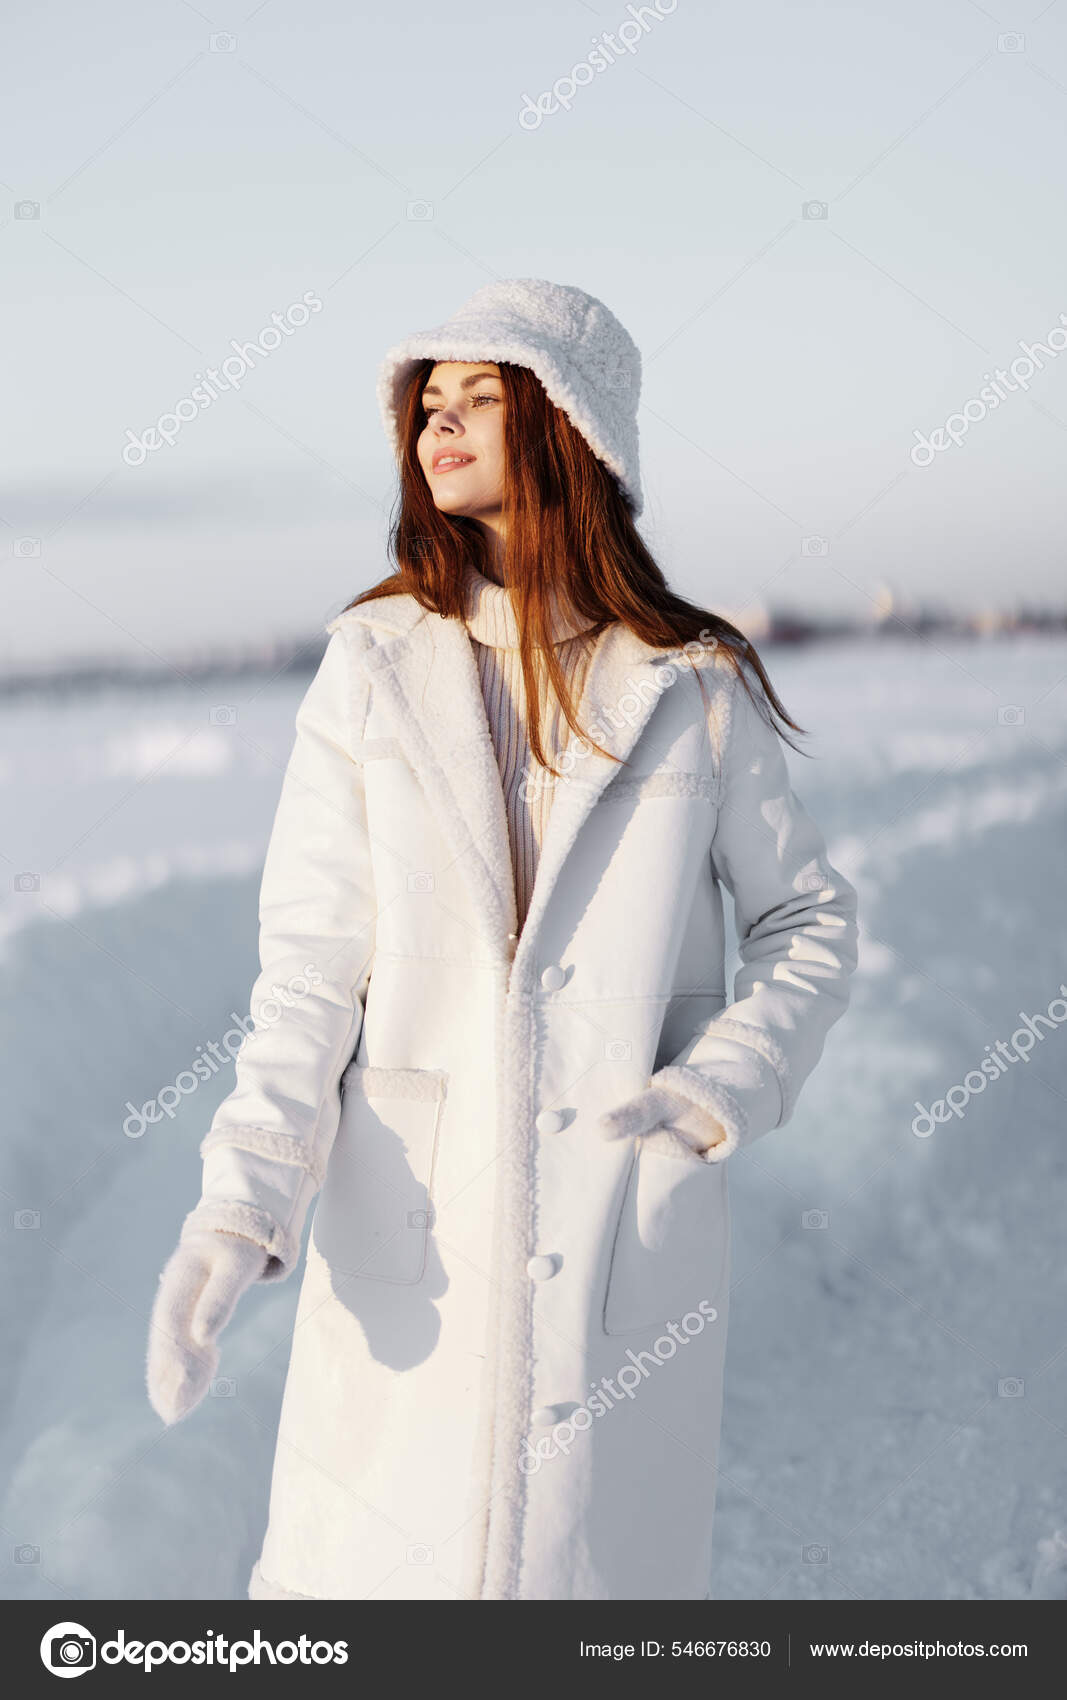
[451,462]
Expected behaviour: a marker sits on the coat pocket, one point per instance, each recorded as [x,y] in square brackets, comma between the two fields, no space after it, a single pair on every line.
[670,1253]
[375,1212]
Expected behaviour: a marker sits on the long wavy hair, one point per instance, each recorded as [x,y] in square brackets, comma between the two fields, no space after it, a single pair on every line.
[570,535]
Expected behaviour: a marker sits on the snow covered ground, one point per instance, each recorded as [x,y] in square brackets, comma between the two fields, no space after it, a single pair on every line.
[896,1417]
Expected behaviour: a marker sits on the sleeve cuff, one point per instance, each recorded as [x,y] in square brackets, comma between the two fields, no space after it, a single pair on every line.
[719,1109]
[232,1217]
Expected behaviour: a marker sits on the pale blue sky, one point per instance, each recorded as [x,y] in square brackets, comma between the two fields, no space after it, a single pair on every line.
[187,193]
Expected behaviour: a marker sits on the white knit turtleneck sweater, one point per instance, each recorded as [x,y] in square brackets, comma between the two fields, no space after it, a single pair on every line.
[528,787]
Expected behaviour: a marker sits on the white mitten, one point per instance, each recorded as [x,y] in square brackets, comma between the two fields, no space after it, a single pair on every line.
[665,1121]
[198,1290]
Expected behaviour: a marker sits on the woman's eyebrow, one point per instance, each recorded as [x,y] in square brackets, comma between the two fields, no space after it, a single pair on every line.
[465,383]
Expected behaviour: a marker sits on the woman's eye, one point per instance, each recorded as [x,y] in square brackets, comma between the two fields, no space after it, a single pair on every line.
[428,412]
[474,400]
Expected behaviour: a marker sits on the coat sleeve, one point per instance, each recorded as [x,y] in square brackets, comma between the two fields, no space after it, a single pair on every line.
[265,1153]
[796,925]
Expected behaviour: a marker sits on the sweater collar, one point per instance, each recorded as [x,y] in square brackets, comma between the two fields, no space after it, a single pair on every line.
[492,620]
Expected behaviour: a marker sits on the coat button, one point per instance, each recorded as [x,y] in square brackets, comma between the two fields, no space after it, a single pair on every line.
[549,1121]
[546,1416]
[542,1268]
[553,977]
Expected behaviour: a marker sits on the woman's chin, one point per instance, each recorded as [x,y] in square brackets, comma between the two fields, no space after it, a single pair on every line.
[457,508]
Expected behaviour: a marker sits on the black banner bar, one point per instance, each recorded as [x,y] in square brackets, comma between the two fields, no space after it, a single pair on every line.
[331,1644]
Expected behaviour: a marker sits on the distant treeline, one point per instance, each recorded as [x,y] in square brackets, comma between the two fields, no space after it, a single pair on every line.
[300,658]
[790,627]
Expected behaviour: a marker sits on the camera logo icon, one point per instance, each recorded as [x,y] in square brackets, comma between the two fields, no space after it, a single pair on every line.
[223,714]
[420,210]
[27,548]
[816,1553]
[27,209]
[223,42]
[1011,714]
[420,880]
[420,1218]
[68,1649]
[618,1050]
[27,882]
[815,1219]
[1010,1387]
[27,1218]
[814,546]
[815,209]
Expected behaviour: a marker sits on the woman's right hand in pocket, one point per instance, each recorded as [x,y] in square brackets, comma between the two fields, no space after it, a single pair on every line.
[198,1290]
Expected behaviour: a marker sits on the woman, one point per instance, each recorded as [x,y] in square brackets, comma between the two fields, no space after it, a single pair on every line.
[495,1027]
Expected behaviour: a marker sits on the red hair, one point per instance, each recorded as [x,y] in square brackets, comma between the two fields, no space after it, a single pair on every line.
[570,533]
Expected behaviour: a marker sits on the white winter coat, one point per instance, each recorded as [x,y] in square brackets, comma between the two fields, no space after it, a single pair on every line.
[506,1370]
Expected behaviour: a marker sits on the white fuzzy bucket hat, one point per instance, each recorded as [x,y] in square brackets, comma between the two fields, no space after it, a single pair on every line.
[588,363]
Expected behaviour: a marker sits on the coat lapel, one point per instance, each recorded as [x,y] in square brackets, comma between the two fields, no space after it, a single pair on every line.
[426,683]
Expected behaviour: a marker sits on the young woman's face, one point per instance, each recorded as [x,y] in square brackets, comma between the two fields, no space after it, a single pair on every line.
[461,446]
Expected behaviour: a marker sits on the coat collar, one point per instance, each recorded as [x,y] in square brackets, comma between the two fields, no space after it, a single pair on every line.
[426,683]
